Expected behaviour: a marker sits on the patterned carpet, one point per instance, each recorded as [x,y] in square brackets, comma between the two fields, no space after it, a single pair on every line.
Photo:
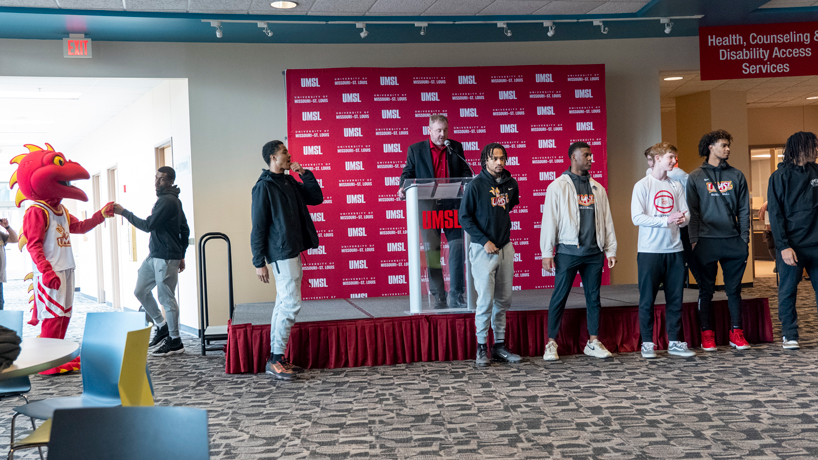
[757,404]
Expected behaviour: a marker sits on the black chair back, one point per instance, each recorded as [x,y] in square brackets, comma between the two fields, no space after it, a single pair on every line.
[129,433]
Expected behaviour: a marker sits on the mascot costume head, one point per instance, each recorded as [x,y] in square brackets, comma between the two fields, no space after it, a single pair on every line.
[44,176]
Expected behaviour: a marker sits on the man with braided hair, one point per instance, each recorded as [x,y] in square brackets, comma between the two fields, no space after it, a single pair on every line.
[44,177]
[485,215]
[792,204]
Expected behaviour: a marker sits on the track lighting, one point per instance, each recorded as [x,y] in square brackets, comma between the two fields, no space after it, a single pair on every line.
[362,25]
[218,26]
[552,29]
[506,31]
[602,27]
[266,30]
[667,23]
[422,26]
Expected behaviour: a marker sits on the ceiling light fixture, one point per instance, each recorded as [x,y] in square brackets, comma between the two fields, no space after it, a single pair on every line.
[38,95]
[362,25]
[673,78]
[602,27]
[218,26]
[667,23]
[552,29]
[422,26]
[266,30]
[284,5]
[505,28]
[812,97]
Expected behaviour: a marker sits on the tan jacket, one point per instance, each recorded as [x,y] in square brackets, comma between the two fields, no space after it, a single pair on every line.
[560,217]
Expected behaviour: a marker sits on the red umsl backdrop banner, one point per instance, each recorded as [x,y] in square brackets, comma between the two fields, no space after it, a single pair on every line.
[758,51]
[352,127]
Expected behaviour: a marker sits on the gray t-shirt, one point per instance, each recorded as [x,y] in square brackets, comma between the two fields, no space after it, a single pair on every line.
[587,219]
[5,238]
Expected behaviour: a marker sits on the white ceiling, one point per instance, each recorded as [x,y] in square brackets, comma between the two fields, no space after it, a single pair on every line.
[350,7]
[761,92]
[61,123]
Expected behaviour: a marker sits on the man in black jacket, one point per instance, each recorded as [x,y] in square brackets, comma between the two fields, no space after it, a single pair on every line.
[719,229]
[440,157]
[485,213]
[169,240]
[792,203]
[282,230]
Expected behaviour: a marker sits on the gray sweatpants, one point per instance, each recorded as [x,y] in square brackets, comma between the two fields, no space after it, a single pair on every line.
[288,277]
[493,279]
[164,275]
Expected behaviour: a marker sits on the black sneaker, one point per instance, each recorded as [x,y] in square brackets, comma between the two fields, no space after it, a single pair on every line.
[170,346]
[277,370]
[482,356]
[290,366]
[159,336]
[499,352]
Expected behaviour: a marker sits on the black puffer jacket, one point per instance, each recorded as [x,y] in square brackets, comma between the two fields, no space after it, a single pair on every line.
[282,226]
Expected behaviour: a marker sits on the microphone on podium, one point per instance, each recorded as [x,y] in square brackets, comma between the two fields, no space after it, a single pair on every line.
[448,145]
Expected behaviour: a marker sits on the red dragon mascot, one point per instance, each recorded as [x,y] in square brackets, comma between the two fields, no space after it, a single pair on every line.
[44,177]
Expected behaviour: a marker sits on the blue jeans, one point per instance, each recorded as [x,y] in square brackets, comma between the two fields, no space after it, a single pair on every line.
[493,279]
[288,275]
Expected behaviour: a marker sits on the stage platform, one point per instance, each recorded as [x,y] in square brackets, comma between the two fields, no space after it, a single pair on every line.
[377,331]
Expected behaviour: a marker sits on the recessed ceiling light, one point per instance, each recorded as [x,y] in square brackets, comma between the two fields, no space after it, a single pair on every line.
[38,95]
[673,78]
[284,5]
[812,97]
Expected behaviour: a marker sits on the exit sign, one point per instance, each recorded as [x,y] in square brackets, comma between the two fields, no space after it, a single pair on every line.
[76,47]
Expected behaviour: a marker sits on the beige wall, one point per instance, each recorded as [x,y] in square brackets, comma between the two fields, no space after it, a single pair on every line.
[669,127]
[693,118]
[237,103]
[772,126]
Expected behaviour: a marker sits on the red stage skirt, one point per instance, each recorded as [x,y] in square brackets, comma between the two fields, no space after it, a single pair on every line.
[408,339]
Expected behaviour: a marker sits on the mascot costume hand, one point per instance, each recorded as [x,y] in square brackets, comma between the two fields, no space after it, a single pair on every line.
[44,178]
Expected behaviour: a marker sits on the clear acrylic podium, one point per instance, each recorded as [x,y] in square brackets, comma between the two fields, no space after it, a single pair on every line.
[432,207]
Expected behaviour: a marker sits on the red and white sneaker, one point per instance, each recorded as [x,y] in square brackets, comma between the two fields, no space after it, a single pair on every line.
[709,341]
[737,339]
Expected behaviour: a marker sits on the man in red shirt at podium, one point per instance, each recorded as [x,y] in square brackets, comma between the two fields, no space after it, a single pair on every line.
[440,157]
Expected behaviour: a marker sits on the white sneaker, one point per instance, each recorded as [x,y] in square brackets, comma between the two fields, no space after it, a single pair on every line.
[680,349]
[597,350]
[551,352]
[790,344]
[647,350]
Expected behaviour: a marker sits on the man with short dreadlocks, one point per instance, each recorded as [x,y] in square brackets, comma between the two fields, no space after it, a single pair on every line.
[792,203]
[485,215]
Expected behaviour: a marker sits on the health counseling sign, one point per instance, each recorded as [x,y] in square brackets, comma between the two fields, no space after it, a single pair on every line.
[758,51]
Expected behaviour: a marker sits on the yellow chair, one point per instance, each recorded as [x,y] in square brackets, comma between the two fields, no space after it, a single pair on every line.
[134,387]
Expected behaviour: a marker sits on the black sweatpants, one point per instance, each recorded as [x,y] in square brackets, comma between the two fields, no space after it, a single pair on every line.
[655,269]
[731,253]
[590,271]
[789,277]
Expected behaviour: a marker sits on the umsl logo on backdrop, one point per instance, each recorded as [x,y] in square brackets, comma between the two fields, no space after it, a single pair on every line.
[441,219]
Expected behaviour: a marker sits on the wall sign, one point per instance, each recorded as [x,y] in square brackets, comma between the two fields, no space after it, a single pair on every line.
[76,47]
[352,128]
[758,51]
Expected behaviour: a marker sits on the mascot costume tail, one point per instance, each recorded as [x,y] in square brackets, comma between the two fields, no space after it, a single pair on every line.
[44,177]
